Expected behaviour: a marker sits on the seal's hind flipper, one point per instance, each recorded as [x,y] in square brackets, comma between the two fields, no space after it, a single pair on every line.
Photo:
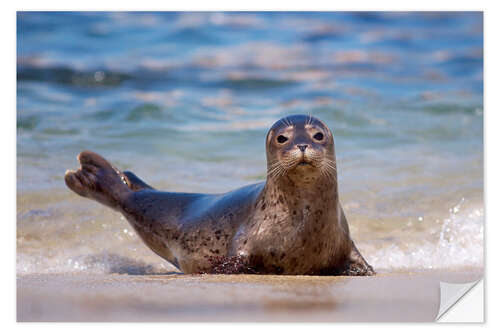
[135,183]
[97,179]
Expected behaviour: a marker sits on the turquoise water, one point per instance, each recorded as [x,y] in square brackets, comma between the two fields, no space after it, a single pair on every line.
[185,101]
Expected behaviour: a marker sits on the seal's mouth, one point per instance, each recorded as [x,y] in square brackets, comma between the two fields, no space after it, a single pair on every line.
[303,161]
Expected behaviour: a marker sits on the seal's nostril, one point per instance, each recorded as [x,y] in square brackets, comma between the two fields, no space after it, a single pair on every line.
[302,147]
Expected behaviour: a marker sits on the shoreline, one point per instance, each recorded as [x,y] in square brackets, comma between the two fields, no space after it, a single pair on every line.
[406,297]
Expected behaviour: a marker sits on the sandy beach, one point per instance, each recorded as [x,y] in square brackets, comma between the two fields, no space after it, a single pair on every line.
[400,297]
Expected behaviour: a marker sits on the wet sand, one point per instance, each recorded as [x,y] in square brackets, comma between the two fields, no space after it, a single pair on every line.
[178,297]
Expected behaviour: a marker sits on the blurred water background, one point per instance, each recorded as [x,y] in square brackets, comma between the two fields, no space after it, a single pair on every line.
[185,101]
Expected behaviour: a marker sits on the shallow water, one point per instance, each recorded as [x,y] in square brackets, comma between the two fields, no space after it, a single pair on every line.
[185,101]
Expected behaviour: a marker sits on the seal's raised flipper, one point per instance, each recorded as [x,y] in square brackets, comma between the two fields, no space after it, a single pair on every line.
[135,183]
[97,179]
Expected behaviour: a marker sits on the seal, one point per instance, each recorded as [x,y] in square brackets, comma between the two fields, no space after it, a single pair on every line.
[292,223]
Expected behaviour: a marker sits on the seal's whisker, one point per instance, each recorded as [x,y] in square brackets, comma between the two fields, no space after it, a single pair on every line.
[274,169]
[284,122]
[329,167]
[288,121]
[277,169]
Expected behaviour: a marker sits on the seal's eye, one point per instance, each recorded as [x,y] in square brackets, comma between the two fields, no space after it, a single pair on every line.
[318,136]
[282,139]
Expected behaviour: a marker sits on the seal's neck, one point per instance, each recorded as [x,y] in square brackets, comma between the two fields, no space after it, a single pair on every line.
[301,189]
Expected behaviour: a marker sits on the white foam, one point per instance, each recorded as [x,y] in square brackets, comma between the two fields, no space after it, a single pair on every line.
[460,244]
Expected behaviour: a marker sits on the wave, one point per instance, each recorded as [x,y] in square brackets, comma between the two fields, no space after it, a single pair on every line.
[459,243]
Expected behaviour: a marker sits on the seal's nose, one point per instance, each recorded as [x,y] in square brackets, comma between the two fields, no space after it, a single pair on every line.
[302,147]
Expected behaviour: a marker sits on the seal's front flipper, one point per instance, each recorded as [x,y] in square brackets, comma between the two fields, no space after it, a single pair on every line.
[357,265]
[97,179]
[230,265]
[135,183]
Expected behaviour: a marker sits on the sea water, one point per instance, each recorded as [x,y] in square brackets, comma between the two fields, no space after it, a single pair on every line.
[185,101]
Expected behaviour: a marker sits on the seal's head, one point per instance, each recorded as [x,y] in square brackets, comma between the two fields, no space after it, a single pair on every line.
[298,145]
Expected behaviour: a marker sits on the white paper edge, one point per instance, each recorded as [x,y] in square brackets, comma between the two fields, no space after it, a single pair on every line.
[466,306]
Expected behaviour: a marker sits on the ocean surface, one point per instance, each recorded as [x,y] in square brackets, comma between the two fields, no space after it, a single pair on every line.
[185,101]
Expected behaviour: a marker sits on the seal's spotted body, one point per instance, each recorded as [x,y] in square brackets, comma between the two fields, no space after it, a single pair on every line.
[291,224]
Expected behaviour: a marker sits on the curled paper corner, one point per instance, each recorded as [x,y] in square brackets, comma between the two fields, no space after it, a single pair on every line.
[451,293]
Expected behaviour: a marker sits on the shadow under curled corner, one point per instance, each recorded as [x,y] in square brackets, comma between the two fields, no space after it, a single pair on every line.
[451,294]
